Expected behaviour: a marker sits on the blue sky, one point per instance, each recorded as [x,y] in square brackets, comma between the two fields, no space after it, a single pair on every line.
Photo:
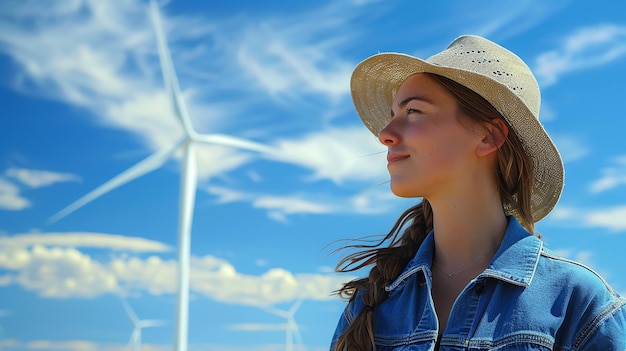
[83,100]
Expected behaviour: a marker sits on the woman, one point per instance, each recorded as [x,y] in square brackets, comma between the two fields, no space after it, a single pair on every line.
[463,269]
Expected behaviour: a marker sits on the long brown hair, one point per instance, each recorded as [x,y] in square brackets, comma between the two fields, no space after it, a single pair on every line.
[514,177]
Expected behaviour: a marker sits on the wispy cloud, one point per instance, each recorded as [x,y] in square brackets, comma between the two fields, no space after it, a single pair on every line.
[612,219]
[279,207]
[36,178]
[10,198]
[612,176]
[83,239]
[338,154]
[509,19]
[282,68]
[571,148]
[102,57]
[587,48]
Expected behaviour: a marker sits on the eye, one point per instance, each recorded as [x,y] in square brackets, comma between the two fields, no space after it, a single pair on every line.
[412,110]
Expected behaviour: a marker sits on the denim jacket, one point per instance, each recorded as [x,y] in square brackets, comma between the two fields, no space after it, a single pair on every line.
[527,299]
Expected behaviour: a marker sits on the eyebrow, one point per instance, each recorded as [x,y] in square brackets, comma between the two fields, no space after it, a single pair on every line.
[408,99]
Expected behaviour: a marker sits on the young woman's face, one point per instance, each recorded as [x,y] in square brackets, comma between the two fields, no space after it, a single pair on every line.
[431,145]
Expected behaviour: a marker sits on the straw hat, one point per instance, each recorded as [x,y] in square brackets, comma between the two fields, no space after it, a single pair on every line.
[490,70]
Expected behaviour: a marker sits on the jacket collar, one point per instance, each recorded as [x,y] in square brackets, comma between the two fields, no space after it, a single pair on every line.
[515,261]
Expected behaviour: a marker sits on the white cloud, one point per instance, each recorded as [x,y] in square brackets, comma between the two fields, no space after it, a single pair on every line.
[612,177]
[10,198]
[571,148]
[87,345]
[546,113]
[101,57]
[290,205]
[508,19]
[612,219]
[36,178]
[83,239]
[76,345]
[587,48]
[6,280]
[282,68]
[375,200]
[254,176]
[338,154]
[60,272]
[225,195]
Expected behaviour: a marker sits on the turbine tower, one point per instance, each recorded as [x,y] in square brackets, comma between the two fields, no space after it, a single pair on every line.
[188,182]
[291,328]
[138,325]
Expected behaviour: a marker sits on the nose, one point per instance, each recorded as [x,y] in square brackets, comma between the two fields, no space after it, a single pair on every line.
[389,136]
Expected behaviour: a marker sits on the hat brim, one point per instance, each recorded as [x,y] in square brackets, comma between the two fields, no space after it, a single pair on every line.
[376,80]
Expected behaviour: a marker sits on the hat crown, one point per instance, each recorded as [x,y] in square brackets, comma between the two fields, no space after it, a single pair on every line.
[480,56]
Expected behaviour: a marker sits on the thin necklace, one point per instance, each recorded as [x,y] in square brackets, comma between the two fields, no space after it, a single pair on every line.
[450,275]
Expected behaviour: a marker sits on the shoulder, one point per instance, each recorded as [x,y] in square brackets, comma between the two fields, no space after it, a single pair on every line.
[571,274]
[593,313]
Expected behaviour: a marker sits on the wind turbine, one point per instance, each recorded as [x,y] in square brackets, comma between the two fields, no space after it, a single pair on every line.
[135,337]
[291,327]
[188,182]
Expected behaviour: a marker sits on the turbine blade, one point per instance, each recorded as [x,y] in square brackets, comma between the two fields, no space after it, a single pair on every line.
[291,322]
[149,323]
[129,311]
[143,167]
[294,308]
[296,331]
[277,312]
[167,69]
[227,140]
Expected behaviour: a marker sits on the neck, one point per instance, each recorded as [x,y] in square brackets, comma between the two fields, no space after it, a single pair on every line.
[467,227]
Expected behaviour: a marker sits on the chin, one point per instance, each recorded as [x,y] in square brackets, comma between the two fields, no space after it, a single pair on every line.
[404,191]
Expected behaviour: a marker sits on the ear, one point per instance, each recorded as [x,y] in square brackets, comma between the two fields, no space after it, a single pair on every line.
[494,136]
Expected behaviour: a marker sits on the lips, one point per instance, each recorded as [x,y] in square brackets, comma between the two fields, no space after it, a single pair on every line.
[393,158]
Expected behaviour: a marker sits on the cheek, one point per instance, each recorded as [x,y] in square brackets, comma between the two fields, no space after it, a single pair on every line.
[450,150]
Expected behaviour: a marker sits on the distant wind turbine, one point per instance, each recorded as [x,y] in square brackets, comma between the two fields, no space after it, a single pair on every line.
[188,182]
[291,328]
[138,325]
